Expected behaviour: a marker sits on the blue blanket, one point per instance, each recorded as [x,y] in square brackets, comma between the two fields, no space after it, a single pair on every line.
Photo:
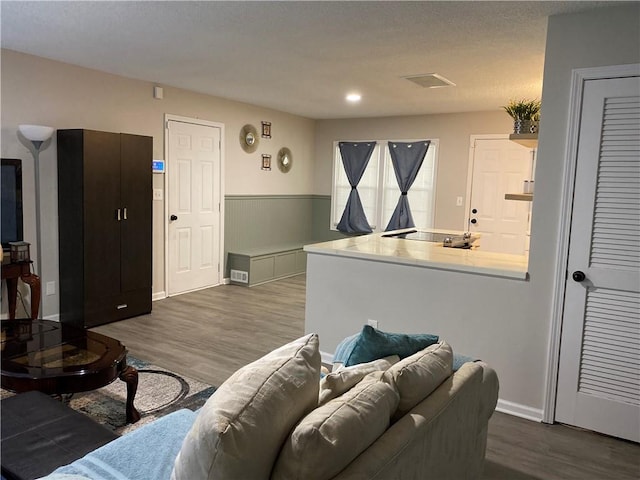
[147,453]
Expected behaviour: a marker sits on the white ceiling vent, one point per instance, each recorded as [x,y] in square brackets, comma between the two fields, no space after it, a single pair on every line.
[430,80]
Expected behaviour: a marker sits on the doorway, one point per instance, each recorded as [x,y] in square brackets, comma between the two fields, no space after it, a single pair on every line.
[194,185]
[499,166]
[598,384]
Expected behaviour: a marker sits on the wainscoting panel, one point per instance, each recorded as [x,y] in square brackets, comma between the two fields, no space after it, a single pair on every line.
[322,219]
[263,221]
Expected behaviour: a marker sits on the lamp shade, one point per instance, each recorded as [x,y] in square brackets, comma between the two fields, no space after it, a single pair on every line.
[36,133]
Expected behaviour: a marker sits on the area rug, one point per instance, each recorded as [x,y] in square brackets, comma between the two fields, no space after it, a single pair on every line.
[159,392]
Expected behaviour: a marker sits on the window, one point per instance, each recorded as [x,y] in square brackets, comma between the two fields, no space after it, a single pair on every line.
[379,190]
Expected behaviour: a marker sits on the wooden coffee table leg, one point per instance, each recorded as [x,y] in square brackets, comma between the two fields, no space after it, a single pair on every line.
[129,375]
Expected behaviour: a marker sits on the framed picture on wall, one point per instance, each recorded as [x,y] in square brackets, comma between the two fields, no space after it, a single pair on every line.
[266,162]
[266,129]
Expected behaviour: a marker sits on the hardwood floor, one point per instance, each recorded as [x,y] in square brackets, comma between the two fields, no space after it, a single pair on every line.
[211,333]
[519,449]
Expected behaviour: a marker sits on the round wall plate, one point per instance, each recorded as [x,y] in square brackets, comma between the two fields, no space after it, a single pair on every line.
[285,160]
[249,138]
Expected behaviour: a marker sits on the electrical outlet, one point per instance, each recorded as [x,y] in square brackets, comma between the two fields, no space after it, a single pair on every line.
[373,323]
[51,288]
[157,194]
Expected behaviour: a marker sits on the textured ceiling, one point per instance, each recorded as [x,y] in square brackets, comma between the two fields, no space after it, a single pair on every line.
[304,57]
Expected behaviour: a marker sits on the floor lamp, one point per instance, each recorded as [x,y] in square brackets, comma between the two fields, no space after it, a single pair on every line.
[37,135]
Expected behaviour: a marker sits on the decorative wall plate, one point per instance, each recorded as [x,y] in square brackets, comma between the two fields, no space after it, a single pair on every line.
[285,160]
[249,138]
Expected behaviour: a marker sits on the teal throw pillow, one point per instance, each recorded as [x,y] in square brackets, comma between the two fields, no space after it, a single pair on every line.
[344,349]
[371,344]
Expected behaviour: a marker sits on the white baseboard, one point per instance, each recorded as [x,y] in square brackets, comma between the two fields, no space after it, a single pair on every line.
[518,410]
[55,317]
[161,295]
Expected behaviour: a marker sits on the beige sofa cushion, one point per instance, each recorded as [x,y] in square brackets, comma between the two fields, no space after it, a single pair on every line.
[415,377]
[242,427]
[331,436]
[438,440]
[336,383]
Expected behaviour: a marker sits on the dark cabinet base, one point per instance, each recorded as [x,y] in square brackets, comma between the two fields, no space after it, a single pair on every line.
[110,309]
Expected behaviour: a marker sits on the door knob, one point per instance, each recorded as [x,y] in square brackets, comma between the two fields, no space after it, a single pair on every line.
[173,217]
[578,276]
[475,210]
[474,221]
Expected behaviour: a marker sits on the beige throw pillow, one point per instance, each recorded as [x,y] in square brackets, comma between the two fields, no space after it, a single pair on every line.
[241,428]
[415,377]
[333,435]
[344,378]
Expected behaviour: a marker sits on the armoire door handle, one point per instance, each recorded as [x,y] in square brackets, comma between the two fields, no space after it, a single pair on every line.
[118,215]
[124,213]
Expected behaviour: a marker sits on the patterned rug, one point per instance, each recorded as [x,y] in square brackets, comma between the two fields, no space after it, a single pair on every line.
[159,392]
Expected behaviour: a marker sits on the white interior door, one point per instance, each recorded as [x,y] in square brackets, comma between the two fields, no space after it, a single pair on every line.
[194,206]
[500,166]
[599,370]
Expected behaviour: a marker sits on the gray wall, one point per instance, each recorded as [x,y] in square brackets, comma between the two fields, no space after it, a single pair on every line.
[505,322]
[267,220]
[490,318]
[253,221]
[322,219]
[41,91]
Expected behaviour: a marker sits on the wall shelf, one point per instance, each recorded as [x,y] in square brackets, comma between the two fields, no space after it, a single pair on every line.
[523,197]
[529,140]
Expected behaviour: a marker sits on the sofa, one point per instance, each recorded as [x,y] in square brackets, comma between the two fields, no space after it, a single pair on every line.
[413,414]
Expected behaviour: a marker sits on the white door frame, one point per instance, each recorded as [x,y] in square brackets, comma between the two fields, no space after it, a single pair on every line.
[206,123]
[578,77]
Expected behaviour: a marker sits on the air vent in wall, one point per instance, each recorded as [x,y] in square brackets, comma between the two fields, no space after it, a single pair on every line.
[239,276]
[430,80]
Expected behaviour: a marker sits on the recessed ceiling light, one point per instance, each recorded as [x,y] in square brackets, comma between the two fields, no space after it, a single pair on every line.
[354,97]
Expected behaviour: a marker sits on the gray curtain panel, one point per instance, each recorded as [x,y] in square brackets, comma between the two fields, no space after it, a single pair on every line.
[355,158]
[407,159]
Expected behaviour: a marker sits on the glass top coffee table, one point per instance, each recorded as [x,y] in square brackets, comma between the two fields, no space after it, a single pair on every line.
[56,358]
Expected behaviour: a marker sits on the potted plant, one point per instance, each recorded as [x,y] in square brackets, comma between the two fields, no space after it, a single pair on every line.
[525,114]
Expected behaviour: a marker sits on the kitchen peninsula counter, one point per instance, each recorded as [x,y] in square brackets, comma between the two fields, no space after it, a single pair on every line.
[425,254]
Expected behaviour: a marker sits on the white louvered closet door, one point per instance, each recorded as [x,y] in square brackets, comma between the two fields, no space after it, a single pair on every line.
[599,374]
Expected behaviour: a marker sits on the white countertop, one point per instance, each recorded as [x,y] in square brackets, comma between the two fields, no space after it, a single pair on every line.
[401,251]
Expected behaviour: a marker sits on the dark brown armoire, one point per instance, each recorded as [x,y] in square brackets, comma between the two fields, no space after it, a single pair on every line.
[104,222]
